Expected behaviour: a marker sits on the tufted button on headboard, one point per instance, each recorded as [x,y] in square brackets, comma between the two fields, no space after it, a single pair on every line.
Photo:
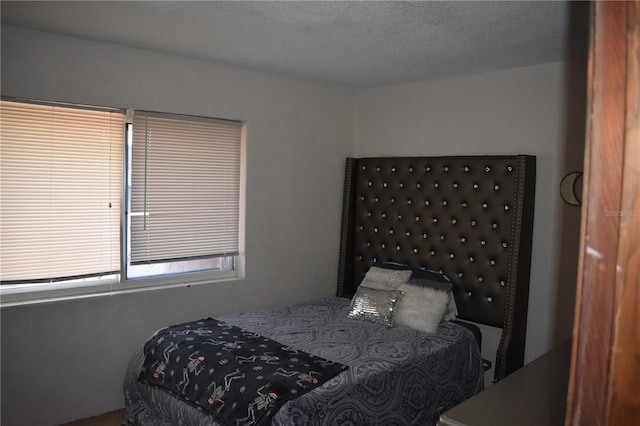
[469,217]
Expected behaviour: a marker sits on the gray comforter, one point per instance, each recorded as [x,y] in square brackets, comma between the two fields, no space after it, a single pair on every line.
[396,376]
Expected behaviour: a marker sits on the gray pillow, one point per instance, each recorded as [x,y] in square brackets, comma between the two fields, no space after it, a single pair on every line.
[417,272]
[374,305]
[385,279]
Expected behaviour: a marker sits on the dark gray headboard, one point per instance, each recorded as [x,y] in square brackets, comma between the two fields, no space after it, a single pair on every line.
[470,217]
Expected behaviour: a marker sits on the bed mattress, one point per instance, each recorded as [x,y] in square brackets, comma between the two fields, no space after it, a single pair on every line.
[395,376]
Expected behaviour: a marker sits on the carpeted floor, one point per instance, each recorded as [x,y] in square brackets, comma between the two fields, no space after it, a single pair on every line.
[112,418]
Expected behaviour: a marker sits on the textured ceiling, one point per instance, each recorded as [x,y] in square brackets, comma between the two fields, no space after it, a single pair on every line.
[349,43]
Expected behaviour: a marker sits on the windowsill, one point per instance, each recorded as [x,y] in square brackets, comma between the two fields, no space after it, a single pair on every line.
[22,297]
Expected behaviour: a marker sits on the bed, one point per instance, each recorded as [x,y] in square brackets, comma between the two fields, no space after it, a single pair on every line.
[468,219]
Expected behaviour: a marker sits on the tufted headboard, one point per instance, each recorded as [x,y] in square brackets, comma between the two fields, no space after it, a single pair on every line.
[470,217]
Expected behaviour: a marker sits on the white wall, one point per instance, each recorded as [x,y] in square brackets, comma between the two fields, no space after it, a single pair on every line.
[66,360]
[535,110]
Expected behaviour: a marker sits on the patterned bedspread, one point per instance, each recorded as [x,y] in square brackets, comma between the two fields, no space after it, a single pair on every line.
[238,377]
[396,376]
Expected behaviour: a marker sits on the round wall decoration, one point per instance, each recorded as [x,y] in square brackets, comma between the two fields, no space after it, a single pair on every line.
[571,188]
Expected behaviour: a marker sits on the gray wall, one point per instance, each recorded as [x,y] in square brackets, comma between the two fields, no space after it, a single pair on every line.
[66,360]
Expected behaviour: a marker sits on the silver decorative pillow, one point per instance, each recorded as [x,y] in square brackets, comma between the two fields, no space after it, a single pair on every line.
[374,305]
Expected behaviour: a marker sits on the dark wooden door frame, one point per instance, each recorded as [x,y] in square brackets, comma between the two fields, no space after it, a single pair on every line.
[604,380]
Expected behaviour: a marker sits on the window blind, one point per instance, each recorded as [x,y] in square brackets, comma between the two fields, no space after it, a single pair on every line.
[185,188]
[61,180]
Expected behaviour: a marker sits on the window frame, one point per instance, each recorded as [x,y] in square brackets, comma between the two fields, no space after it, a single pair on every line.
[31,293]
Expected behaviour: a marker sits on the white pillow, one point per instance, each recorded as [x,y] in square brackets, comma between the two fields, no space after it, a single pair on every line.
[421,308]
[445,286]
[452,309]
[385,279]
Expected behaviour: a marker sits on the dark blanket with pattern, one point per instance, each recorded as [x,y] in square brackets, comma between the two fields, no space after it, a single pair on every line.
[239,377]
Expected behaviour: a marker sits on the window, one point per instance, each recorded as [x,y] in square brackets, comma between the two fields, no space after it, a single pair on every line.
[91,198]
[185,194]
[61,181]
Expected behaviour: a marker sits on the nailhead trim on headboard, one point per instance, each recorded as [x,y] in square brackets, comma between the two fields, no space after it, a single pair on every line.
[469,217]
